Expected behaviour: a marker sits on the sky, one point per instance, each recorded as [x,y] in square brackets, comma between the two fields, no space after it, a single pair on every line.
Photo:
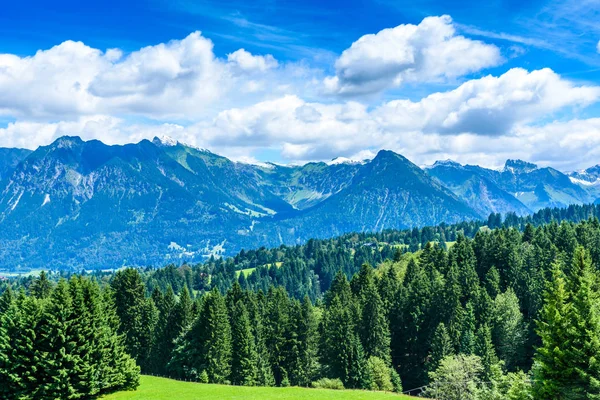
[478,82]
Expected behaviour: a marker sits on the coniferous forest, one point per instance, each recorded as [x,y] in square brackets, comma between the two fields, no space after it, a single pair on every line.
[501,309]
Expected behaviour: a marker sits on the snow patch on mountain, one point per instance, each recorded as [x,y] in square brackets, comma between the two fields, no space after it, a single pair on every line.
[584,182]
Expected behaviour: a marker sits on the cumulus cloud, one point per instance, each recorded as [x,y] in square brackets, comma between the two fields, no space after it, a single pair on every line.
[29,134]
[248,62]
[490,105]
[181,78]
[598,46]
[426,52]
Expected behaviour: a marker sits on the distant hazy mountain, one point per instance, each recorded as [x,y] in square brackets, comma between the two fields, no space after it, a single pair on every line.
[76,204]
[479,191]
[531,186]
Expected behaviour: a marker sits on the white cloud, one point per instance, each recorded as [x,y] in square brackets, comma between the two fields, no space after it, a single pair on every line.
[426,52]
[248,62]
[181,78]
[489,105]
[598,46]
[27,134]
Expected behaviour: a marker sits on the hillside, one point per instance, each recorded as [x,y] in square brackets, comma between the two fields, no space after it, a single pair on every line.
[152,388]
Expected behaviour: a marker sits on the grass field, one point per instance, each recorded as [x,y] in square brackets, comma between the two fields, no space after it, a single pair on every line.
[152,388]
[248,271]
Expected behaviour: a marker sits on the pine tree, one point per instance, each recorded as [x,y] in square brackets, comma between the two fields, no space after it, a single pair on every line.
[138,315]
[467,340]
[165,332]
[244,357]
[412,325]
[484,349]
[359,375]
[308,344]
[441,347]
[117,370]
[583,354]
[41,287]
[340,287]
[551,377]
[183,312]
[19,366]
[264,373]
[341,350]
[55,352]
[6,300]
[206,347]
[374,328]
[508,330]
[82,332]
[277,330]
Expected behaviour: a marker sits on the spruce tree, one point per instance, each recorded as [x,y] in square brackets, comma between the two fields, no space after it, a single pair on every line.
[552,376]
[6,300]
[277,331]
[117,370]
[583,354]
[484,349]
[138,315]
[57,360]
[441,347]
[374,329]
[256,310]
[19,361]
[244,356]
[206,347]
[42,286]
[308,341]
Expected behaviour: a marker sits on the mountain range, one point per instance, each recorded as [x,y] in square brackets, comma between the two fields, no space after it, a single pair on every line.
[78,204]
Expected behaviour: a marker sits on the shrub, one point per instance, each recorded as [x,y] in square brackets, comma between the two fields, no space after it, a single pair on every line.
[326,383]
[203,378]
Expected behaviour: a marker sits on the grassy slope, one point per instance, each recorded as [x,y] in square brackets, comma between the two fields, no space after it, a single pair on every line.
[153,388]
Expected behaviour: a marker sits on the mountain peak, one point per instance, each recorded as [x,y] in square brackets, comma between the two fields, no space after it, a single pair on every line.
[67,142]
[446,163]
[388,155]
[165,141]
[519,166]
[344,160]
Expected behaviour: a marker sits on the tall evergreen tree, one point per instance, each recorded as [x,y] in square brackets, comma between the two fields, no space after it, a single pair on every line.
[206,347]
[244,356]
[374,329]
[277,331]
[55,352]
[19,362]
[42,286]
[441,347]
[552,379]
[484,349]
[138,315]
[583,354]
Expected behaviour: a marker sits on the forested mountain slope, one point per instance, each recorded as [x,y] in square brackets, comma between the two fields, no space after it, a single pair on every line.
[88,205]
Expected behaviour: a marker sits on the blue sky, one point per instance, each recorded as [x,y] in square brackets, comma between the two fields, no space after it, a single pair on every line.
[298,57]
